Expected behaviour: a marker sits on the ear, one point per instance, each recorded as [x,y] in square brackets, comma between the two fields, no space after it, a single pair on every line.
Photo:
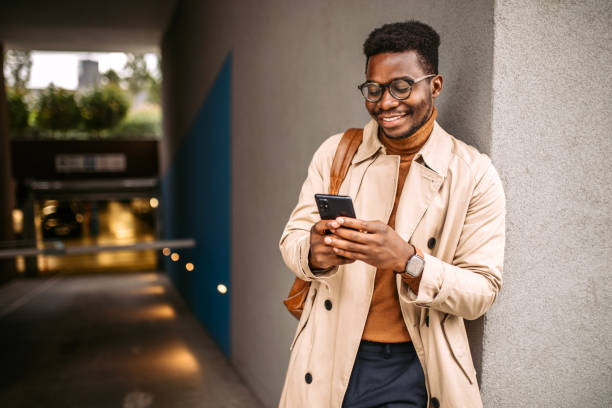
[436,85]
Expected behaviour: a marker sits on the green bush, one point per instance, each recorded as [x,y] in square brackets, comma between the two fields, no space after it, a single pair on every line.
[57,110]
[18,111]
[144,122]
[104,108]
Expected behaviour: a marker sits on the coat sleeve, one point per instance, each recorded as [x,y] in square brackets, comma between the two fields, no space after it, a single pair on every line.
[468,287]
[295,241]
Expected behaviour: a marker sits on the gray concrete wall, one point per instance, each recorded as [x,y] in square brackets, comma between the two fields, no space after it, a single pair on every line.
[528,82]
[296,67]
[548,340]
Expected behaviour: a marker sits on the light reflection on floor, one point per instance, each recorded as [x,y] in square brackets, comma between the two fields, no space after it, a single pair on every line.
[100,340]
[150,290]
[152,312]
[177,359]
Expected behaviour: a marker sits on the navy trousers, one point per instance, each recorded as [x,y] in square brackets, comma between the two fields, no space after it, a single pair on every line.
[386,376]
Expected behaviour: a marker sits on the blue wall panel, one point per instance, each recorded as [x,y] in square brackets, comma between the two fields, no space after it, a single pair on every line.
[196,203]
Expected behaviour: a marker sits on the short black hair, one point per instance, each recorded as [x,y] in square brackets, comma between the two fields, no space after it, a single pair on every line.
[405,36]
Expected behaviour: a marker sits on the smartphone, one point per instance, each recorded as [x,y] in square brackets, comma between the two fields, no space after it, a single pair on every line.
[332,206]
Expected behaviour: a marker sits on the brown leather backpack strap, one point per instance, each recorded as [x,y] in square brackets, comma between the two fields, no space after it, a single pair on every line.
[344,155]
[342,160]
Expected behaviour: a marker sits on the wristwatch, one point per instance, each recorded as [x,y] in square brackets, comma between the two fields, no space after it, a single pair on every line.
[416,263]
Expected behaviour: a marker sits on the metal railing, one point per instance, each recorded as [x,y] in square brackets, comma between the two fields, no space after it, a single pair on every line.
[59,248]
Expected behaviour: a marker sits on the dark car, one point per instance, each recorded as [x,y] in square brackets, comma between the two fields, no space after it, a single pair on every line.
[63,220]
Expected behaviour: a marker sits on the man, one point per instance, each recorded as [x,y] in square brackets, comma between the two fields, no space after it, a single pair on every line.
[383,321]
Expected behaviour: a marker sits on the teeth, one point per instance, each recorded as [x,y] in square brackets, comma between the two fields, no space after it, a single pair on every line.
[391,119]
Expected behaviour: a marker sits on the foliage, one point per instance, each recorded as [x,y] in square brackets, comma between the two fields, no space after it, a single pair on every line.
[18,111]
[155,84]
[144,122]
[110,77]
[154,91]
[100,112]
[19,64]
[138,76]
[57,110]
[104,108]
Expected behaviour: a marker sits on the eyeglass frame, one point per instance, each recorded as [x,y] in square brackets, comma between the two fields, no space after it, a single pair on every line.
[388,86]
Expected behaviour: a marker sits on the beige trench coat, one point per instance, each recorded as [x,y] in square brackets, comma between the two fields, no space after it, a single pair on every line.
[452,194]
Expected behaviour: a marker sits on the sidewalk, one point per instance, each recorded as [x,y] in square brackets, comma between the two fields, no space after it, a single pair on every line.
[109,341]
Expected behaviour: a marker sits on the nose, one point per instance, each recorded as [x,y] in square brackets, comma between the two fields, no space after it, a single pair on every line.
[387,101]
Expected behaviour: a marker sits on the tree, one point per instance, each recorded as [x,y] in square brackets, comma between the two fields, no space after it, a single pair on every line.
[57,110]
[103,108]
[18,111]
[111,77]
[155,84]
[19,64]
[137,73]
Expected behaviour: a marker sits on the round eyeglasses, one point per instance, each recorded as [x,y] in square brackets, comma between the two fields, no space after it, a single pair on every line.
[399,88]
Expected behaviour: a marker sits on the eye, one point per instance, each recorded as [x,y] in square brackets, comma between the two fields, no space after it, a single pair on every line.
[373,89]
[401,86]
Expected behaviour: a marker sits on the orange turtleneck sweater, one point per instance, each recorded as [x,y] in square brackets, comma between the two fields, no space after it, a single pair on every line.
[385,323]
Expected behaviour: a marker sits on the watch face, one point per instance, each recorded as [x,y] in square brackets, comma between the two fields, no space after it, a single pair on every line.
[415,266]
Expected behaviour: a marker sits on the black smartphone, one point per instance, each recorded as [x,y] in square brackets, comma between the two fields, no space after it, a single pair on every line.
[332,206]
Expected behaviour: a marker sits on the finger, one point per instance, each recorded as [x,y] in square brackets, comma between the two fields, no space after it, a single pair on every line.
[344,261]
[359,225]
[353,235]
[322,226]
[344,244]
[349,254]
[332,259]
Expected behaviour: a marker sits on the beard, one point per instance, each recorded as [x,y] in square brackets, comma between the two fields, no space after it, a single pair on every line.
[416,126]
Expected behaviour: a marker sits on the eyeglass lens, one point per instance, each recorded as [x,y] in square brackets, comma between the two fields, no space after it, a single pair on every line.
[399,89]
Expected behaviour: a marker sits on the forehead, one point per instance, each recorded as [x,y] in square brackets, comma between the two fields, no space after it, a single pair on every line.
[389,65]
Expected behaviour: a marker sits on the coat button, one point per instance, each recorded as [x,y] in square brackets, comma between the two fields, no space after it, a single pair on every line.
[308,378]
[431,243]
[427,320]
[328,304]
[435,403]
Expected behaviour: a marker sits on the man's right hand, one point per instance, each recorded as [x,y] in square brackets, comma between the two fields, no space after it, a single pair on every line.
[321,255]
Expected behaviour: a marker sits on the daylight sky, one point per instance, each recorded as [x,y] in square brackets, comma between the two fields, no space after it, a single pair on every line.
[62,68]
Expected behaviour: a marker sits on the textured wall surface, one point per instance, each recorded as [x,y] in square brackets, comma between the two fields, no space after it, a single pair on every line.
[548,339]
[295,70]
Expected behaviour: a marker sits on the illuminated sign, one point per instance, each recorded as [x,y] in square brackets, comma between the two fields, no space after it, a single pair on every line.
[90,163]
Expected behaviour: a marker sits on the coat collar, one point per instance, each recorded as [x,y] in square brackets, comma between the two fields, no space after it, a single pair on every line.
[436,152]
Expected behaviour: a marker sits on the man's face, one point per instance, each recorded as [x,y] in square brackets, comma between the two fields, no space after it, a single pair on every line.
[397,118]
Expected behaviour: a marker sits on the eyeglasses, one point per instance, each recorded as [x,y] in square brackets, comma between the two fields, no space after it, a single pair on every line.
[399,88]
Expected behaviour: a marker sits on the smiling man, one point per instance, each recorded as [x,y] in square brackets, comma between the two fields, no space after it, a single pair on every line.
[383,323]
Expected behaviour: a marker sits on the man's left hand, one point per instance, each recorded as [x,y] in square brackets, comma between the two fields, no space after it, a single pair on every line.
[372,242]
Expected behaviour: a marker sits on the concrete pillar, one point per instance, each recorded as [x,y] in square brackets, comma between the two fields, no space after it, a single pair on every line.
[547,338]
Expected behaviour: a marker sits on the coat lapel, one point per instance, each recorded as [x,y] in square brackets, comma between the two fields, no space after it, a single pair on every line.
[427,173]
[421,187]
[373,178]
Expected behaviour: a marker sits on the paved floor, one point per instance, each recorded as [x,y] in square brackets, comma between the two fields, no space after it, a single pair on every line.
[109,341]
